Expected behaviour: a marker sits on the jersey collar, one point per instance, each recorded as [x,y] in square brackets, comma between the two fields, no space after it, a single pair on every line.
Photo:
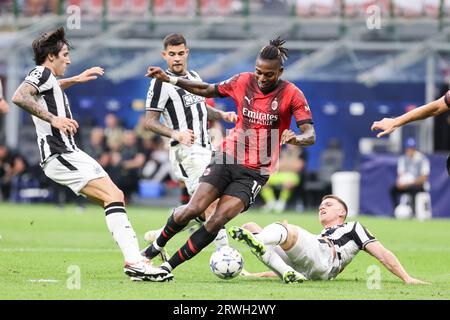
[273,92]
[333,227]
[178,75]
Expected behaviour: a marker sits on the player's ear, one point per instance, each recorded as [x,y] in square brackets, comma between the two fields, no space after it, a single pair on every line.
[164,54]
[51,57]
[280,71]
[187,52]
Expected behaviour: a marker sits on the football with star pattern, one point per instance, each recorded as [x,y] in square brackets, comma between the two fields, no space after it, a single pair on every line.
[226,262]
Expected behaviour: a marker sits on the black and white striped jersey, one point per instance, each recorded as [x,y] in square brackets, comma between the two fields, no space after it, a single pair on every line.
[348,239]
[51,97]
[181,109]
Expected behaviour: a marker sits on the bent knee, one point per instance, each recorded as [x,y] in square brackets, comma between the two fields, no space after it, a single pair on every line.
[191,211]
[253,227]
[292,237]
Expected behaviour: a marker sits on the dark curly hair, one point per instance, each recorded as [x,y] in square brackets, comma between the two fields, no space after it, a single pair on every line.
[274,50]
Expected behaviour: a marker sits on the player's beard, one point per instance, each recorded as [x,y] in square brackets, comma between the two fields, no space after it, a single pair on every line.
[179,69]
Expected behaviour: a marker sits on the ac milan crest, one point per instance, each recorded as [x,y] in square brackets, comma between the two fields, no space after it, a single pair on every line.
[274,104]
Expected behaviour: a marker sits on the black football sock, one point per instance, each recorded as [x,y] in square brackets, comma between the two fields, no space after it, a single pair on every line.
[199,239]
[170,229]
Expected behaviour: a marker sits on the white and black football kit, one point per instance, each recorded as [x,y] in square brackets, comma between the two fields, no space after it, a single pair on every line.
[61,159]
[313,256]
[181,111]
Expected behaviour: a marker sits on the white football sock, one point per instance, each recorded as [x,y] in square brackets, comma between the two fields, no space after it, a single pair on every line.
[221,239]
[123,233]
[274,234]
[275,262]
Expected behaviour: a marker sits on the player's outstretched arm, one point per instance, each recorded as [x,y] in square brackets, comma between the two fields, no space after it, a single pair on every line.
[25,98]
[390,261]
[215,114]
[389,125]
[265,274]
[196,87]
[306,138]
[85,76]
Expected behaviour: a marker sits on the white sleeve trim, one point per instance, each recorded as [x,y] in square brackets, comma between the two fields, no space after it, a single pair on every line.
[30,82]
[367,242]
[154,109]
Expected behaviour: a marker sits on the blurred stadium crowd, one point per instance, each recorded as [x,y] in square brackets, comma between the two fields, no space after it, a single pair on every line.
[129,156]
[137,160]
[324,8]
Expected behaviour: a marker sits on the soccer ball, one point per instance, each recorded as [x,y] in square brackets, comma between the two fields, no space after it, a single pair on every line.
[403,211]
[226,262]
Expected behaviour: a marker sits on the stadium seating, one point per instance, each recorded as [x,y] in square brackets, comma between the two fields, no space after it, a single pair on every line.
[358,8]
[303,8]
[116,8]
[307,8]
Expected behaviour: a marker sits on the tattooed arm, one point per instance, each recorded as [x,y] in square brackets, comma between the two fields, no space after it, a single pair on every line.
[306,138]
[152,123]
[215,114]
[25,97]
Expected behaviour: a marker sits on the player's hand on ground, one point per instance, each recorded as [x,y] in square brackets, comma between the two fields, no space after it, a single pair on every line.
[387,126]
[186,137]
[230,116]
[288,136]
[68,126]
[415,281]
[245,273]
[157,73]
[90,74]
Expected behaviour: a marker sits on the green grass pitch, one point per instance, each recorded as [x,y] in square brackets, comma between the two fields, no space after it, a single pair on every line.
[42,247]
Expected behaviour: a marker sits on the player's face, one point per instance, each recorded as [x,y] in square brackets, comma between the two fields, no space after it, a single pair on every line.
[410,152]
[267,73]
[61,61]
[330,211]
[176,58]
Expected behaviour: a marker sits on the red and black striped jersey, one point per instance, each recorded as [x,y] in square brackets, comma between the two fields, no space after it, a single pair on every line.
[262,118]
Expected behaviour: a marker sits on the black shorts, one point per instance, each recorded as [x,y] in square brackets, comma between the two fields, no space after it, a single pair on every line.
[235,180]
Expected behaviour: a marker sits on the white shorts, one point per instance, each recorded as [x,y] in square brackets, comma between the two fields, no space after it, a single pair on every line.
[189,163]
[73,170]
[312,258]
